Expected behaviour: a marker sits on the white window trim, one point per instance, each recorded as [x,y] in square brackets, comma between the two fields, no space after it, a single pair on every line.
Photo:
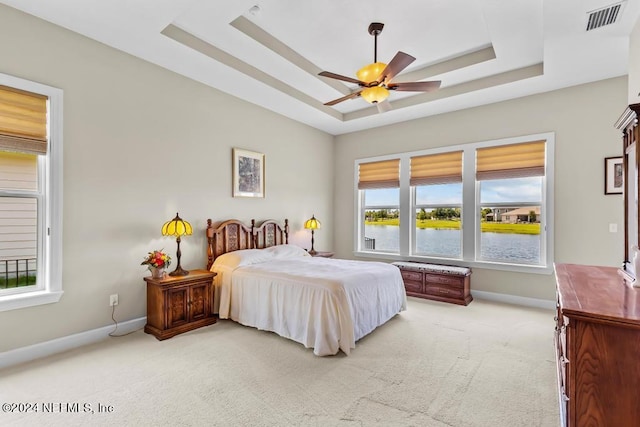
[50,244]
[469,217]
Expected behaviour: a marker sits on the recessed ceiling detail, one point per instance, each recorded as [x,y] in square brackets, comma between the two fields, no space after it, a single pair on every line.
[251,30]
[483,51]
[213,52]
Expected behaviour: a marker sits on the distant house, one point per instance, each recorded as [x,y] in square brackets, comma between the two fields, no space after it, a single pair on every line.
[521,215]
[496,213]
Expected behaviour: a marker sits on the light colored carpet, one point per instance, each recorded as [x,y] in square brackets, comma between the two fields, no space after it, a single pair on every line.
[435,364]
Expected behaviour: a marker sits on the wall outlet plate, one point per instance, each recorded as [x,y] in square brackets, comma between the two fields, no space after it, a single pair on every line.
[113,300]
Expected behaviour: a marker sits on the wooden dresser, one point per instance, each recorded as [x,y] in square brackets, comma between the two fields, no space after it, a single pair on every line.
[179,304]
[436,282]
[597,342]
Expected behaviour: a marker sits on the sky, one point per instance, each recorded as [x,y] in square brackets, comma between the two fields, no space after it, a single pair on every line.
[491,191]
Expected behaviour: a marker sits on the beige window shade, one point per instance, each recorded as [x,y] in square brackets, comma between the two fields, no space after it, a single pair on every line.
[511,161]
[441,168]
[385,174]
[23,121]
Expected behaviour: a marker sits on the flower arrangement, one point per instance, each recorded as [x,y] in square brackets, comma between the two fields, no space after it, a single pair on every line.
[157,259]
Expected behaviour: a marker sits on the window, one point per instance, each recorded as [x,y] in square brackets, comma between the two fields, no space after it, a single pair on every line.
[30,190]
[379,222]
[436,181]
[510,182]
[488,204]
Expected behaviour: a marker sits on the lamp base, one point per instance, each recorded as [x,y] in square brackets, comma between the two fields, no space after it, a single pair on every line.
[313,252]
[179,271]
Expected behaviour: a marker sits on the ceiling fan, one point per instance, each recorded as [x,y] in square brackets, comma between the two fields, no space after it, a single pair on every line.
[375,79]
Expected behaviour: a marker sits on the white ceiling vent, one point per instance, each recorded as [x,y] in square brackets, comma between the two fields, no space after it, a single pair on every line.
[604,16]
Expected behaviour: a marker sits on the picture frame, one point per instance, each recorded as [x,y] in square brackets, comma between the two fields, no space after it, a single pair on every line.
[613,175]
[248,173]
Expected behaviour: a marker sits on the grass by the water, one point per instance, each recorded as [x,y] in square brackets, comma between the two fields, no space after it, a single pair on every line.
[493,227]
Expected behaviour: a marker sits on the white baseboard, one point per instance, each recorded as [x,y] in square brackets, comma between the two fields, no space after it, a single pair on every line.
[513,299]
[58,345]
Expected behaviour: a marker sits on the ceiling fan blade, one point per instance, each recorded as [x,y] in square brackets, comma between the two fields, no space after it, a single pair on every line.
[415,86]
[397,64]
[341,77]
[344,98]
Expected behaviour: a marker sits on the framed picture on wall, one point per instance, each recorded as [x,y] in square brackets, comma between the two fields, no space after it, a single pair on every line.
[248,173]
[613,175]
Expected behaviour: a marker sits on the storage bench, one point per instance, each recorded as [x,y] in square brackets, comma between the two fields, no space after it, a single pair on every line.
[437,282]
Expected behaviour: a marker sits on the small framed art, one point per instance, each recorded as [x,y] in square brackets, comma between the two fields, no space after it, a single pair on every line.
[613,175]
[248,173]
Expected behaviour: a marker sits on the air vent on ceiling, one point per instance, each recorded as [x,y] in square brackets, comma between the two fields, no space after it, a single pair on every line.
[601,17]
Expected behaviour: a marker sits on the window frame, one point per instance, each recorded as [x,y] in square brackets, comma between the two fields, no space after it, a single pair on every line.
[49,287]
[470,209]
[364,208]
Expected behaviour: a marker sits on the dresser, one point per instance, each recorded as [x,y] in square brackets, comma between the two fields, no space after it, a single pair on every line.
[437,282]
[179,304]
[597,342]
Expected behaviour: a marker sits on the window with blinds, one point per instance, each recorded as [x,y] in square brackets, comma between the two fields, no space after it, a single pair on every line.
[383,174]
[510,185]
[442,168]
[511,161]
[23,137]
[488,203]
[379,186]
[436,180]
[23,121]
[30,180]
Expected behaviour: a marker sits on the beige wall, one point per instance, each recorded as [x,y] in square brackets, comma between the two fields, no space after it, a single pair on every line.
[634,65]
[582,118]
[140,144]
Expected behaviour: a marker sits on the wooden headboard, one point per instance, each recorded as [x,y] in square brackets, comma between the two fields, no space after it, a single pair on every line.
[233,235]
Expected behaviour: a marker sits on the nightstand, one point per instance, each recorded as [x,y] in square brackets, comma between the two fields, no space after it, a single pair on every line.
[179,304]
[323,254]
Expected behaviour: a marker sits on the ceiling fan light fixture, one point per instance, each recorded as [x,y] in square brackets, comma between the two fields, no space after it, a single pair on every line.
[375,80]
[369,73]
[375,94]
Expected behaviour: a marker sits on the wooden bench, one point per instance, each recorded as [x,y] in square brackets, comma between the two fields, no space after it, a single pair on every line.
[437,282]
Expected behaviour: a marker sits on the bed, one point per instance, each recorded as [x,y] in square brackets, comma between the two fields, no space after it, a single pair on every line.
[325,304]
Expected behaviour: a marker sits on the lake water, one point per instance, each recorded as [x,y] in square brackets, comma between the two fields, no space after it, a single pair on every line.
[516,248]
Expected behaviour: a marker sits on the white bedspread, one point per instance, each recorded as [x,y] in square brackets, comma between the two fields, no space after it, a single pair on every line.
[324,304]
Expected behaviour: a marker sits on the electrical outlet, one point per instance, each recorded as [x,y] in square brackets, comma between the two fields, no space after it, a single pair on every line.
[113,300]
[613,228]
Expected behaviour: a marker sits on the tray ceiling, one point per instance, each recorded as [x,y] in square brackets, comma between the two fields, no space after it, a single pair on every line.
[269,52]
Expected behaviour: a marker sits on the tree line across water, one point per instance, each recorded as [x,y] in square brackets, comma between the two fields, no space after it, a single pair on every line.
[449,218]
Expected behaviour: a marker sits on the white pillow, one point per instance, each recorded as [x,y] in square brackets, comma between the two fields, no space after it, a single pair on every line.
[286,251]
[241,258]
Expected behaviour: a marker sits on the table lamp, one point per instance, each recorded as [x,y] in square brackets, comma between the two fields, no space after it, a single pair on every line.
[312,224]
[177,227]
